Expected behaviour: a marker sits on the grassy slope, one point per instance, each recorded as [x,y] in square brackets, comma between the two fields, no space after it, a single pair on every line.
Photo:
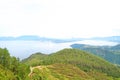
[66,72]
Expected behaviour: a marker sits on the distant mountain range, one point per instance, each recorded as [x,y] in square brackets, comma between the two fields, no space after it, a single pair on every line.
[111,38]
[37,38]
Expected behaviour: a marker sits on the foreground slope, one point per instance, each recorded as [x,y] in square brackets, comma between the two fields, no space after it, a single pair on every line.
[11,68]
[85,61]
[65,72]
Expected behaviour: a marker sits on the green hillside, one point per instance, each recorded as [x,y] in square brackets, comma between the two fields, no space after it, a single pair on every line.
[109,53]
[67,64]
[65,72]
[85,61]
[11,68]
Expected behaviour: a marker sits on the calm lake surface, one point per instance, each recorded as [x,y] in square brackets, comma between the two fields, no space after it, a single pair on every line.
[24,49]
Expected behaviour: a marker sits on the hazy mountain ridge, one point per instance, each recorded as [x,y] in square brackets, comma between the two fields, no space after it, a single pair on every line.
[38,38]
[110,53]
[111,38]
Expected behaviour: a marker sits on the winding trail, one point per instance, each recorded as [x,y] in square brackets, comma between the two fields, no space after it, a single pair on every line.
[32,68]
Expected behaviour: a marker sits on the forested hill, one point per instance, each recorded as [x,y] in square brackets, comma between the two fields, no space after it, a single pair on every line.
[83,60]
[11,68]
[67,64]
[110,53]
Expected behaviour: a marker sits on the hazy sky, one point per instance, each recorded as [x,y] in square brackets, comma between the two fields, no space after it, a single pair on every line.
[60,18]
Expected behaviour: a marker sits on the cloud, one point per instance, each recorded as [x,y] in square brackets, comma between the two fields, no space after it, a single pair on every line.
[59,18]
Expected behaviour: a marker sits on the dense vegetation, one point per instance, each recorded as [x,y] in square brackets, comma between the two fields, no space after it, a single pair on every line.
[11,68]
[67,64]
[110,53]
[66,72]
[84,61]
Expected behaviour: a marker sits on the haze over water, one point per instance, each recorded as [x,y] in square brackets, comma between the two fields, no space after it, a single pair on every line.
[24,49]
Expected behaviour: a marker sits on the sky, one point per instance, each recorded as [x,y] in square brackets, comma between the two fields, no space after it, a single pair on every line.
[60,18]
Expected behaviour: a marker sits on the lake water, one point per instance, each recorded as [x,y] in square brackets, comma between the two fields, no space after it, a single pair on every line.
[24,49]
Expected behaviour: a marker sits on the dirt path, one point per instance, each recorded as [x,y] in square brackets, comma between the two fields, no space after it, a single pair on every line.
[32,68]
